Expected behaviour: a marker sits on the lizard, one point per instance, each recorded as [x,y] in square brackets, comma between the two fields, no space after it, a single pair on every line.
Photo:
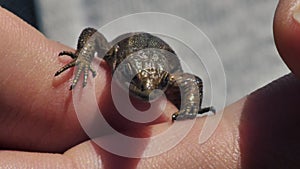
[165,73]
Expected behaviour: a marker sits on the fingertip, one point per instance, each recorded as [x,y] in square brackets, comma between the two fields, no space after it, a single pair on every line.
[287,33]
[35,108]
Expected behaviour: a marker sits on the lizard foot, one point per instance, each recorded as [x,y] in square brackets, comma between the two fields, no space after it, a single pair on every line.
[82,65]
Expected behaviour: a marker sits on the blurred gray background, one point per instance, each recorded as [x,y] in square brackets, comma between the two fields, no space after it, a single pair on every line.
[240,30]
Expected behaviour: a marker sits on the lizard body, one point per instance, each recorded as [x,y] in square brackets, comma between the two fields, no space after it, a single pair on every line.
[148,63]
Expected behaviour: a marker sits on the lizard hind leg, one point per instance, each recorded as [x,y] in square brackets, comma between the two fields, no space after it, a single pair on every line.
[89,42]
[191,95]
[185,91]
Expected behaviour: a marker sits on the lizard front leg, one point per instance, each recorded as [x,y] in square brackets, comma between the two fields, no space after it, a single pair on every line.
[186,92]
[89,42]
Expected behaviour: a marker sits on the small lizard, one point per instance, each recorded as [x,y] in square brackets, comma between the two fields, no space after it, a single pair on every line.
[184,90]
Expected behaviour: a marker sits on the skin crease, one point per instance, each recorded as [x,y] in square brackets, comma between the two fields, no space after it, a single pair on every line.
[258,131]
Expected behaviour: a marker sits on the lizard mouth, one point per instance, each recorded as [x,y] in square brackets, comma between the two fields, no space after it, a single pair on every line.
[138,93]
[146,95]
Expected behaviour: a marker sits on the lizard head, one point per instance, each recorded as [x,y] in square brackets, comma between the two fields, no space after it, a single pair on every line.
[146,83]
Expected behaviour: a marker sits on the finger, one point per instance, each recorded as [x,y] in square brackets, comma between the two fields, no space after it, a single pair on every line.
[80,156]
[259,131]
[220,151]
[84,155]
[269,124]
[37,110]
[287,33]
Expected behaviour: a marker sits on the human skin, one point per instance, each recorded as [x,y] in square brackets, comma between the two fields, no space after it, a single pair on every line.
[39,127]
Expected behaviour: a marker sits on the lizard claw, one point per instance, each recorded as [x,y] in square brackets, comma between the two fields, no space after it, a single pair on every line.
[93,72]
[82,66]
[67,66]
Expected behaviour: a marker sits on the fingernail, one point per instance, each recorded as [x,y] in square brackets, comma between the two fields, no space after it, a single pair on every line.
[296,11]
[296,15]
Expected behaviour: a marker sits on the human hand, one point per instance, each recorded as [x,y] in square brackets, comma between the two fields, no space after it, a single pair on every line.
[37,114]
